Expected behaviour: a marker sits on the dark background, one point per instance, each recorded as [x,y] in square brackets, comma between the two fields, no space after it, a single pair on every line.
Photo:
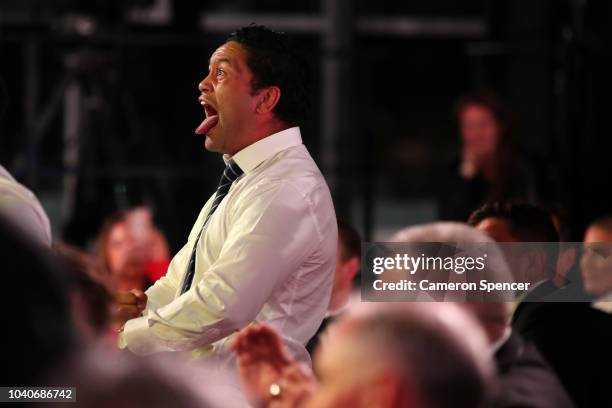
[400,67]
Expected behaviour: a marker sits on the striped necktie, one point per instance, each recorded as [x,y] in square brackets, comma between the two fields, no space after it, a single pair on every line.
[232,172]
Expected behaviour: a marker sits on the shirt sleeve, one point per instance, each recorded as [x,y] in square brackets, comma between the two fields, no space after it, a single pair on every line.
[163,290]
[272,234]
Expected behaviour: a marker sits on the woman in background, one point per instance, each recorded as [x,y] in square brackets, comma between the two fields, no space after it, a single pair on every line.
[489,168]
[132,250]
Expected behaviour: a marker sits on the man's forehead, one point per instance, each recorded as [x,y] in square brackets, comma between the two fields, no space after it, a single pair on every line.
[598,233]
[500,229]
[230,52]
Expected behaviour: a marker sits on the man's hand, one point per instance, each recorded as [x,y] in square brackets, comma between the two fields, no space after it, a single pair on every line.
[261,358]
[297,384]
[130,305]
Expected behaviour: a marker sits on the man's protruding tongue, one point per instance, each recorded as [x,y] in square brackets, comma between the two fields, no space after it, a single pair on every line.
[207,124]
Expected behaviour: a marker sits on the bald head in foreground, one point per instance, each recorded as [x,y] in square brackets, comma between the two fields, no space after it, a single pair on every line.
[385,355]
[525,378]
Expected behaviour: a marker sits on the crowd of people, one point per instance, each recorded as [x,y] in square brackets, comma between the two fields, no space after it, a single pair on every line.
[261,307]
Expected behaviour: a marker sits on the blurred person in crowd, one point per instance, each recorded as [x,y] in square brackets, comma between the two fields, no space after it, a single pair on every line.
[573,337]
[518,222]
[133,250]
[264,245]
[39,331]
[426,355]
[348,262]
[489,168]
[568,274]
[104,378]
[525,378]
[20,206]
[91,294]
[596,263]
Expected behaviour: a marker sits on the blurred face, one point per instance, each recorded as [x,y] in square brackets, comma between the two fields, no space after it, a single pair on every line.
[125,264]
[480,132]
[118,246]
[343,381]
[229,105]
[528,264]
[596,261]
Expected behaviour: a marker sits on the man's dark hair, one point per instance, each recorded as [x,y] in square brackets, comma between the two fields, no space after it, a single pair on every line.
[273,62]
[351,242]
[561,219]
[528,222]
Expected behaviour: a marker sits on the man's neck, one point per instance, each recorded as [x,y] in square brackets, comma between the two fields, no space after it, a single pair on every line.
[261,132]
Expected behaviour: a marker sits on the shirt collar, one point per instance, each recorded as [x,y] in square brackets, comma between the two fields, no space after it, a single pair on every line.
[256,153]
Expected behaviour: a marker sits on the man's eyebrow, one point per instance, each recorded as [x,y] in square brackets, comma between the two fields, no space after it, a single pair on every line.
[220,60]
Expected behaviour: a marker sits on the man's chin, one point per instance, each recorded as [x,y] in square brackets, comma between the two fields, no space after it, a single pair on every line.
[211,145]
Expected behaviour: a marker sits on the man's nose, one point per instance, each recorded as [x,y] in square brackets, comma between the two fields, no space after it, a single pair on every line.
[205,85]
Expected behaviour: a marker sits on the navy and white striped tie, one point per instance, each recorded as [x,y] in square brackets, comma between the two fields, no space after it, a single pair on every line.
[232,172]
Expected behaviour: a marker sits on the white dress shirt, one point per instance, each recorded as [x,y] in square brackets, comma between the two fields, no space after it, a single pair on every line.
[267,255]
[22,208]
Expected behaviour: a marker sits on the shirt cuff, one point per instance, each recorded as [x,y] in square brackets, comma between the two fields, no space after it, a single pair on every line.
[138,338]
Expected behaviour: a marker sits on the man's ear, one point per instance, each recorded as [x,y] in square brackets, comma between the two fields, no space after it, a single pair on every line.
[351,268]
[268,99]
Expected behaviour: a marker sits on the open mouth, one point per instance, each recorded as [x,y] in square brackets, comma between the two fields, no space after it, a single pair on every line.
[211,120]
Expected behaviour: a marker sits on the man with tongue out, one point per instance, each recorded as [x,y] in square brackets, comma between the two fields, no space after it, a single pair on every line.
[263,248]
